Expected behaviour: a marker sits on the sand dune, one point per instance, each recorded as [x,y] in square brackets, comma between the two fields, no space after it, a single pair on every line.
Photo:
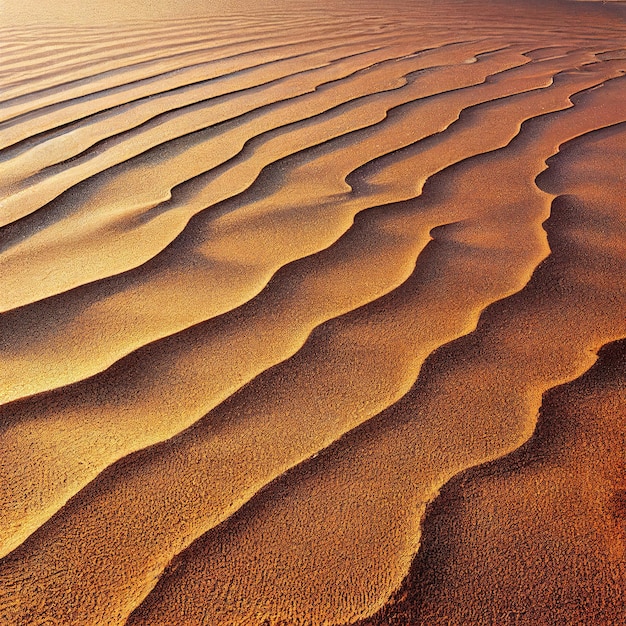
[402,457]
[83,420]
[198,308]
[547,521]
[300,314]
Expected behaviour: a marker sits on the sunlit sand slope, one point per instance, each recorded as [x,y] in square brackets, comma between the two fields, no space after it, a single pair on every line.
[299,316]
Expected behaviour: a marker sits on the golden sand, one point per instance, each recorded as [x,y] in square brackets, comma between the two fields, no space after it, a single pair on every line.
[300,309]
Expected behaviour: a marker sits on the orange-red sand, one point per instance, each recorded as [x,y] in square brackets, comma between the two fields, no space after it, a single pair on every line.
[312,314]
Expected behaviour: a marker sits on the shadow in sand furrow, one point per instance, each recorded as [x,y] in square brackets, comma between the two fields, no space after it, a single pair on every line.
[132,41]
[32,100]
[128,44]
[380,173]
[105,209]
[143,285]
[145,294]
[538,536]
[81,142]
[424,29]
[188,122]
[549,52]
[398,126]
[186,82]
[161,67]
[25,85]
[139,53]
[29,130]
[128,41]
[46,315]
[283,416]
[217,143]
[619,53]
[206,363]
[29,194]
[101,34]
[34,125]
[331,539]
[87,137]
[126,33]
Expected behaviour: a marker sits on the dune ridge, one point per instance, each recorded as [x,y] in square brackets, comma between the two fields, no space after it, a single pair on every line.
[564,487]
[29,407]
[109,289]
[298,502]
[41,172]
[151,202]
[148,322]
[160,459]
[290,289]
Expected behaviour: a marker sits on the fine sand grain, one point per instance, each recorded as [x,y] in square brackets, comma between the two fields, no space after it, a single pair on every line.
[312,313]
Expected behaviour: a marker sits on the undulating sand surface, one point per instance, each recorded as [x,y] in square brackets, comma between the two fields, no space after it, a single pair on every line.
[313,313]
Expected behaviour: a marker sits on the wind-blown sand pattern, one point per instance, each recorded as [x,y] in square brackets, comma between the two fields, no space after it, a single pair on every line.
[313,314]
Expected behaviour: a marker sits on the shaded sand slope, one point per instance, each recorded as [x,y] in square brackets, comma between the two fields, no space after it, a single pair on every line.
[112,304]
[281,285]
[227,247]
[122,414]
[538,537]
[196,459]
[286,552]
[344,107]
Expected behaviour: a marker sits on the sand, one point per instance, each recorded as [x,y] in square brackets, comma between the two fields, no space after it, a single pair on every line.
[312,314]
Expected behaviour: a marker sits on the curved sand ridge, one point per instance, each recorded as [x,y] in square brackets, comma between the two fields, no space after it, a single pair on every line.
[400,461]
[272,289]
[153,325]
[283,551]
[222,142]
[440,112]
[149,428]
[544,527]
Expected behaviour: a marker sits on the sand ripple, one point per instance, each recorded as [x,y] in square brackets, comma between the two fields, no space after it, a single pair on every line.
[300,313]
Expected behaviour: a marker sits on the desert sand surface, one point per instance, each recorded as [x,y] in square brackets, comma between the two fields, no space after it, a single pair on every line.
[313,314]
